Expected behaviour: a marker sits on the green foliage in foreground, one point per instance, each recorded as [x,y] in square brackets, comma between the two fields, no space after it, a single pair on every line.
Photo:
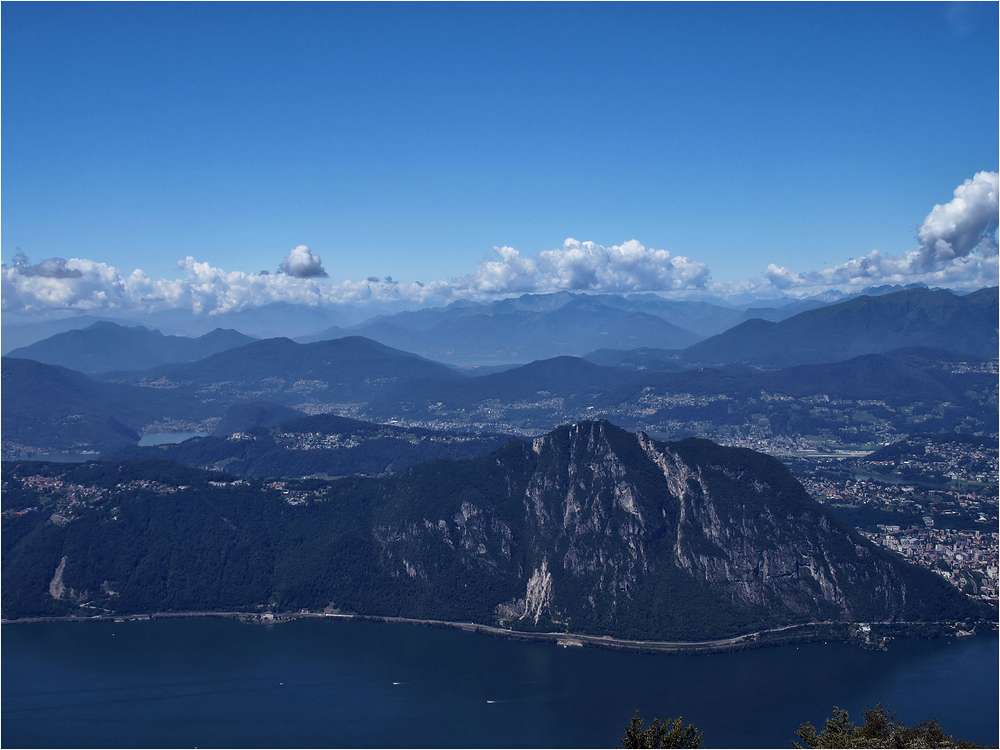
[670,733]
[882,729]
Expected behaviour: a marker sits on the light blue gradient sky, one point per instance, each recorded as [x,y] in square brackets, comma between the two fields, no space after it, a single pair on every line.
[410,139]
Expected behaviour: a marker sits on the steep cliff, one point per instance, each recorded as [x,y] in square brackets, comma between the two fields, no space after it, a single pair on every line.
[600,530]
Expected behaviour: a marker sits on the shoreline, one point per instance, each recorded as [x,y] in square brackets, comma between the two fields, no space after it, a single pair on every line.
[771,637]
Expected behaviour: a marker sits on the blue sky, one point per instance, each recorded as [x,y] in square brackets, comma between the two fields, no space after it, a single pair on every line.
[410,140]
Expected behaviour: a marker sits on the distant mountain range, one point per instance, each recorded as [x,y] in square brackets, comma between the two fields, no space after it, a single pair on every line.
[863,325]
[637,331]
[530,327]
[274,320]
[541,326]
[283,319]
[587,529]
[106,347]
[20,334]
[357,377]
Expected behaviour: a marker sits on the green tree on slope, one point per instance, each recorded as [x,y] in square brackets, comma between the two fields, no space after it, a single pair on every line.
[669,733]
[882,729]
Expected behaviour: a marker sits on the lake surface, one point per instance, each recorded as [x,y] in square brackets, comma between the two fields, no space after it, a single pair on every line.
[166,438]
[61,458]
[209,682]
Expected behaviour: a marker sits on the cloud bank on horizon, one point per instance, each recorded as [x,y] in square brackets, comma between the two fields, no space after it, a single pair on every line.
[956,248]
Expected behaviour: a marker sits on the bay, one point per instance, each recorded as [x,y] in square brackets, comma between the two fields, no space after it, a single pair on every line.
[211,682]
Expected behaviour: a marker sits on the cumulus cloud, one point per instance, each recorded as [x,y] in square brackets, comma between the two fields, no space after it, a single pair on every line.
[80,285]
[782,277]
[83,285]
[206,289]
[629,267]
[510,274]
[588,266]
[963,225]
[57,283]
[302,263]
[956,248]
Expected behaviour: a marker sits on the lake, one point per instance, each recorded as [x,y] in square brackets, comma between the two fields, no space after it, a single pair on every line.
[211,682]
[60,458]
[168,438]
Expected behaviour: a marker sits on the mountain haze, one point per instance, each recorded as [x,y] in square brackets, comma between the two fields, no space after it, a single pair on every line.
[106,347]
[280,370]
[863,325]
[541,326]
[483,334]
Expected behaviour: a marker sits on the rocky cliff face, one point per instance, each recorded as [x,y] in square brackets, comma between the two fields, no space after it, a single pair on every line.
[614,532]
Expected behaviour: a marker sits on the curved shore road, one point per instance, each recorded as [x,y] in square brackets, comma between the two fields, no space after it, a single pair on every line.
[561,639]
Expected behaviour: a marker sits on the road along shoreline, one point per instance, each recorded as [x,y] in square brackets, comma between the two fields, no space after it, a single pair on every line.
[858,633]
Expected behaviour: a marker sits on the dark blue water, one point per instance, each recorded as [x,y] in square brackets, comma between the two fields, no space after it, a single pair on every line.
[62,458]
[320,683]
[168,438]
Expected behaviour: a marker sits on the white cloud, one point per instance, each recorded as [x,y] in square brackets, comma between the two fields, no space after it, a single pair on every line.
[56,283]
[302,263]
[873,269]
[79,284]
[956,248]
[966,223]
[587,266]
[83,285]
[510,274]
[629,267]
[782,278]
[205,289]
